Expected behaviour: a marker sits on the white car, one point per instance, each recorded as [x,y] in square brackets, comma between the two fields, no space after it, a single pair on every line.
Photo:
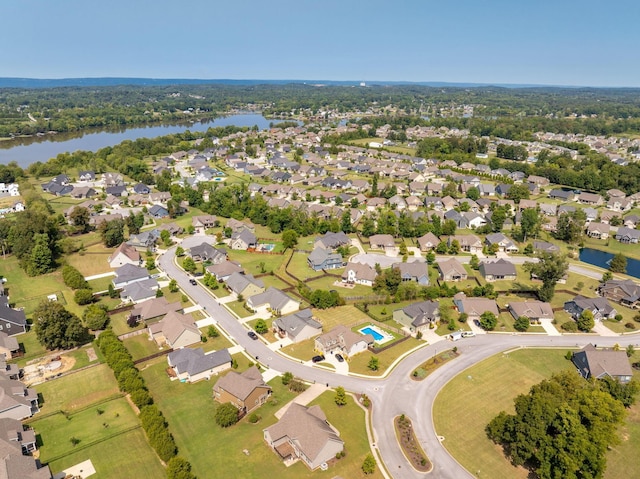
[468,334]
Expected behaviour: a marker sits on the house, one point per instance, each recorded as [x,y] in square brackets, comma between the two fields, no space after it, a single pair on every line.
[124,254]
[598,230]
[17,401]
[129,273]
[562,195]
[145,241]
[274,300]
[244,284]
[82,192]
[86,175]
[544,246]
[428,242]
[23,438]
[599,363]
[297,326]
[474,307]
[9,346]
[320,259]
[599,307]
[205,252]
[628,235]
[139,291]
[246,390]
[204,222]
[191,365]
[451,270]
[416,271]
[503,243]
[383,242]
[12,321]
[158,211]
[154,308]
[468,243]
[359,273]
[222,271]
[498,270]
[303,433]
[332,240]
[418,316]
[534,310]
[117,191]
[9,370]
[141,189]
[176,330]
[243,240]
[625,292]
[343,341]
[14,464]
[590,199]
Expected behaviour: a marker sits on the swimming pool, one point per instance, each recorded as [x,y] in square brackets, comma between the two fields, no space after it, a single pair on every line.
[379,336]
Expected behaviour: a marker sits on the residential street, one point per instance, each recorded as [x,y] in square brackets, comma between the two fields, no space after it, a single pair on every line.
[396,393]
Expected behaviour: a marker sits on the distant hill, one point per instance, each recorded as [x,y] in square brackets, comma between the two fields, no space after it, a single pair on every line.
[6,82]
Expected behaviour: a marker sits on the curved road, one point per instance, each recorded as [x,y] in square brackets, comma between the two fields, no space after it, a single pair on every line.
[396,393]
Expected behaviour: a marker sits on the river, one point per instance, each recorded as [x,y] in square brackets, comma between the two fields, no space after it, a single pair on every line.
[43,148]
[602,259]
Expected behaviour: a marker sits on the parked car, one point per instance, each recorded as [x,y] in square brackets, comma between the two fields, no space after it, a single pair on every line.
[339,358]
[468,334]
[193,281]
[317,359]
[252,335]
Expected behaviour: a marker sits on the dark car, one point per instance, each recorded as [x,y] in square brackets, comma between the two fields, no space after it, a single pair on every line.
[339,358]
[317,359]
[252,335]
[193,281]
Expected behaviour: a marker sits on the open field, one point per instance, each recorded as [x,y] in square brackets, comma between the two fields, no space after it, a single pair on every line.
[92,261]
[497,380]
[348,315]
[251,261]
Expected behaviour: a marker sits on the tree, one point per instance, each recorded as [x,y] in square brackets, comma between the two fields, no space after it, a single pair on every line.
[179,251]
[73,278]
[150,263]
[212,332]
[57,328]
[369,465]
[562,428]
[522,323]
[226,415]
[518,192]
[83,296]
[287,378]
[41,260]
[530,223]
[189,265]
[261,326]
[289,239]
[79,218]
[173,286]
[570,226]
[179,468]
[550,268]
[340,397]
[488,321]
[374,363]
[368,226]
[112,232]
[607,276]
[473,193]
[95,316]
[618,264]
[474,262]
[585,321]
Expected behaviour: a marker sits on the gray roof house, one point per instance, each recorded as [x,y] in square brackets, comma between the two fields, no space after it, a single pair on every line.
[504,243]
[12,321]
[297,326]
[139,291]
[321,258]
[244,284]
[332,240]
[534,310]
[628,235]
[128,273]
[621,291]
[599,363]
[452,270]
[207,252]
[498,270]
[418,316]
[599,307]
[275,300]
[428,242]
[243,240]
[415,271]
[474,307]
[222,271]
[193,365]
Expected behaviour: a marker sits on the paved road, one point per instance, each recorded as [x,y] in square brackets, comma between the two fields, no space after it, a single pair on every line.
[396,393]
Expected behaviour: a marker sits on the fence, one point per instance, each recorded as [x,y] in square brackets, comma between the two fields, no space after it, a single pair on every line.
[153,356]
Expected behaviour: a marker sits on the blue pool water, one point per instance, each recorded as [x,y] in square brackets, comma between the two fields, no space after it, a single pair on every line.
[376,335]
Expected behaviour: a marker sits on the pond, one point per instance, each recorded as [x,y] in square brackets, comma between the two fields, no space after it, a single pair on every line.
[602,259]
[30,150]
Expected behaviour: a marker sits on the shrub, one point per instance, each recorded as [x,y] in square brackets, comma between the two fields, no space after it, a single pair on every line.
[226,415]
[630,326]
[73,278]
[570,326]
[369,464]
[618,317]
[83,296]
[254,418]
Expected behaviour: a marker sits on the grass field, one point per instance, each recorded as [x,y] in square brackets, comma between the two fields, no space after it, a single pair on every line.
[303,350]
[358,364]
[92,261]
[347,315]
[461,416]
[251,261]
[140,346]
[190,409]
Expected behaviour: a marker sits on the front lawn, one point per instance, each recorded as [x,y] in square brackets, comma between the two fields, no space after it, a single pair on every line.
[303,350]
[238,309]
[214,344]
[359,363]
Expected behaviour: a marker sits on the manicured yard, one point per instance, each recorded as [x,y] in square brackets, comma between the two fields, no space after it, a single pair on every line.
[613,246]
[81,357]
[269,335]
[358,364]
[251,261]
[348,315]
[100,284]
[92,261]
[140,346]
[238,309]
[78,390]
[303,350]
[119,324]
[497,380]
[31,346]
[214,344]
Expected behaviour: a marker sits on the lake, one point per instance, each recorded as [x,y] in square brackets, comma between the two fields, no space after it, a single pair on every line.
[33,149]
[602,258]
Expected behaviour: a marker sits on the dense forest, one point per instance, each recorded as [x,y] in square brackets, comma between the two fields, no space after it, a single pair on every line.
[505,112]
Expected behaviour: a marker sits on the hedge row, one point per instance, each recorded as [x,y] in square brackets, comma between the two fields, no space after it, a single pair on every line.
[131,382]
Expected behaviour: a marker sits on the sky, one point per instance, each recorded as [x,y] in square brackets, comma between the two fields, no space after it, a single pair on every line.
[547,42]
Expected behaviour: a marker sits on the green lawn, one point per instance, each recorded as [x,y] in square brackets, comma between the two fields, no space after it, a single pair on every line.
[251,261]
[140,346]
[303,350]
[92,261]
[238,309]
[80,356]
[470,400]
[119,324]
[87,425]
[358,364]
[31,346]
[348,315]
[214,344]
[100,284]
[613,246]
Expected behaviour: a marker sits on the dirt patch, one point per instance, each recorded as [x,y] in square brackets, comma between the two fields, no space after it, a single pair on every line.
[47,368]
[91,354]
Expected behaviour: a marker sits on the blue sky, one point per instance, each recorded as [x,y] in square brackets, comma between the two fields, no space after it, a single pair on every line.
[561,42]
